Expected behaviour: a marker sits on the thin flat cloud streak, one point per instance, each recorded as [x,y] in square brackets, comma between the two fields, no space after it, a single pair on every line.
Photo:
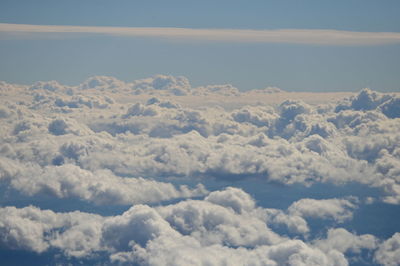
[294,36]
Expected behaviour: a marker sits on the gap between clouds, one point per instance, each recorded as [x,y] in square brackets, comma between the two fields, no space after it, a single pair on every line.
[294,36]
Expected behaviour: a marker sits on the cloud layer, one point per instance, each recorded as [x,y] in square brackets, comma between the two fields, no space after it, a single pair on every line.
[159,141]
[295,36]
[105,127]
[225,227]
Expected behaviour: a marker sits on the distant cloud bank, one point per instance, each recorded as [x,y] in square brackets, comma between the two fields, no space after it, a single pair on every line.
[294,36]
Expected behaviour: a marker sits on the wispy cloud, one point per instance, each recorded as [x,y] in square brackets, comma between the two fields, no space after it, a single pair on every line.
[295,36]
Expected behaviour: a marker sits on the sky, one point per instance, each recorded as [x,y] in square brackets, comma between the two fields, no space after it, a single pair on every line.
[290,65]
[199,133]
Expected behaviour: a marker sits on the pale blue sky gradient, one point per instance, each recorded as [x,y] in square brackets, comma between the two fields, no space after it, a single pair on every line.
[245,65]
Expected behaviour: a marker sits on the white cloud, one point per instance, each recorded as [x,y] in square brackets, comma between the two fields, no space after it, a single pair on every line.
[49,86]
[212,90]
[106,141]
[139,109]
[233,198]
[108,126]
[258,116]
[388,253]
[99,187]
[102,83]
[337,209]
[193,231]
[177,86]
[297,36]
[294,223]
[343,241]
[297,214]
[37,230]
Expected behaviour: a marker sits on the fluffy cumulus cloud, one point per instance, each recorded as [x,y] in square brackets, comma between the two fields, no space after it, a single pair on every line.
[102,83]
[388,253]
[160,83]
[224,227]
[47,85]
[99,187]
[343,241]
[337,209]
[37,230]
[110,142]
[295,218]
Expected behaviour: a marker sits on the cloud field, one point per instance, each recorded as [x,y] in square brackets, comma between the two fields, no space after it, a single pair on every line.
[170,160]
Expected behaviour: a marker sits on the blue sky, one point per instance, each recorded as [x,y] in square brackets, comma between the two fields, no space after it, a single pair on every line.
[71,59]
